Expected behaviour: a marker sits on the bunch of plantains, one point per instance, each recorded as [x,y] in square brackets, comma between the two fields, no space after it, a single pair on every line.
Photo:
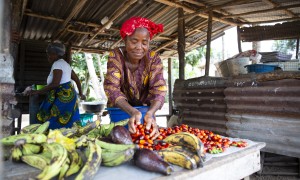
[77,151]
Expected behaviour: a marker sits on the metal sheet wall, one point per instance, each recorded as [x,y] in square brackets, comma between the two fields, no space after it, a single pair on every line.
[265,111]
[201,103]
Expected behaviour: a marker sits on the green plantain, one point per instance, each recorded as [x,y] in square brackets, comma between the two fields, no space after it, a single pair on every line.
[16,154]
[178,156]
[28,149]
[186,139]
[28,138]
[43,128]
[29,129]
[76,163]
[58,158]
[93,162]
[38,161]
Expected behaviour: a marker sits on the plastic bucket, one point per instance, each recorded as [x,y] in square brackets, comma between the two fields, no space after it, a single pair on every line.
[86,118]
[232,67]
[39,86]
[116,114]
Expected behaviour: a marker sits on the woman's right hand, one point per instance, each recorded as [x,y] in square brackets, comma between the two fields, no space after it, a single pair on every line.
[135,119]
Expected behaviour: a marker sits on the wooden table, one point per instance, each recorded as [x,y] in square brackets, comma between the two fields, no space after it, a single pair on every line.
[238,164]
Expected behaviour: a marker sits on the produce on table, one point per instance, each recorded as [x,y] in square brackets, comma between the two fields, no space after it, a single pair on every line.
[213,143]
[79,151]
[120,135]
[116,154]
[149,160]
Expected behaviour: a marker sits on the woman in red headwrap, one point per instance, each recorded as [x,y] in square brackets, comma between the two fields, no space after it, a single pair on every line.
[135,74]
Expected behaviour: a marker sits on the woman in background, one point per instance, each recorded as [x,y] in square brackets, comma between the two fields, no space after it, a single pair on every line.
[135,74]
[60,106]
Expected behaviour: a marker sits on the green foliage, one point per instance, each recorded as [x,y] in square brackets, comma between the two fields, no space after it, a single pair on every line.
[194,57]
[80,68]
[284,45]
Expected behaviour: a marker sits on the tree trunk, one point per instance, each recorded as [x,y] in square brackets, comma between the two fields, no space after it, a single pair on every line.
[101,75]
[93,76]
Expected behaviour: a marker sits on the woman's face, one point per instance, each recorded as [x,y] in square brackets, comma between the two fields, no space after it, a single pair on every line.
[137,44]
[52,57]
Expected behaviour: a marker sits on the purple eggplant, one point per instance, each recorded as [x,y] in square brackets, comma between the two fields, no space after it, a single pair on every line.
[151,161]
[120,135]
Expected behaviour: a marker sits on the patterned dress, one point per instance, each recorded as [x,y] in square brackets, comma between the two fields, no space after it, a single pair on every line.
[140,87]
[60,107]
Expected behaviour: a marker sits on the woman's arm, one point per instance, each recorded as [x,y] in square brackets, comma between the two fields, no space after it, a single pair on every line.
[77,81]
[57,74]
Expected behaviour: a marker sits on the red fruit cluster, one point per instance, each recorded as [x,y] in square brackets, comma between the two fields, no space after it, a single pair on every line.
[213,143]
[143,139]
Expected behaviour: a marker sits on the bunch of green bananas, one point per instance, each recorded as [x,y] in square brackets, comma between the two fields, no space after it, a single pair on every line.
[187,151]
[57,152]
[116,154]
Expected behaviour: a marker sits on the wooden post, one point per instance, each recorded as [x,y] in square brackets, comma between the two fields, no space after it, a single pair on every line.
[208,41]
[238,29]
[297,50]
[181,43]
[170,86]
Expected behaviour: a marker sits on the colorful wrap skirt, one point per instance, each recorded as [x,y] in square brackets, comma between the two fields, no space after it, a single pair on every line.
[60,107]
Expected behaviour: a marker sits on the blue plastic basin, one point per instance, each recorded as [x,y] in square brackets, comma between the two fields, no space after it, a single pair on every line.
[260,68]
[116,114]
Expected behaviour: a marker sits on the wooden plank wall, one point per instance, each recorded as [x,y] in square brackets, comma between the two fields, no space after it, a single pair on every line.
[31,67]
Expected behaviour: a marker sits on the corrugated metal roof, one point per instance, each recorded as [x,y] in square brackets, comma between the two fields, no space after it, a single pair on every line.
[45,20]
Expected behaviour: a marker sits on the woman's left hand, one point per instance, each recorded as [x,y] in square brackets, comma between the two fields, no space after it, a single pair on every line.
[33,92]
[82,97]
[150,121]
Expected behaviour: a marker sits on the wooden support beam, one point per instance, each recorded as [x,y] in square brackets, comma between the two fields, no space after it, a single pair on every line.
[262,11]
[217,33]
[116,44]
[297,52]
[208,41]
[28,12]
[238,30]
[181,43]
[170,86]
[273,4]
[187,34]
[117,14]
[195,2]
[74,12]
[189,10]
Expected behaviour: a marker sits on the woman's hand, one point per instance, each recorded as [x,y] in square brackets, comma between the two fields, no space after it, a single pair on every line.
[150,121]
[134,119]
[33,92]
[82,97]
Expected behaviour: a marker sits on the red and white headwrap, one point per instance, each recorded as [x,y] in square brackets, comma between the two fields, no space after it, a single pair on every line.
[131,24]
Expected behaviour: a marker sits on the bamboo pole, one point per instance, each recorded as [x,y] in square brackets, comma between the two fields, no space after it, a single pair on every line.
[114,17]
[181,43]
[208,41]
[189,10]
